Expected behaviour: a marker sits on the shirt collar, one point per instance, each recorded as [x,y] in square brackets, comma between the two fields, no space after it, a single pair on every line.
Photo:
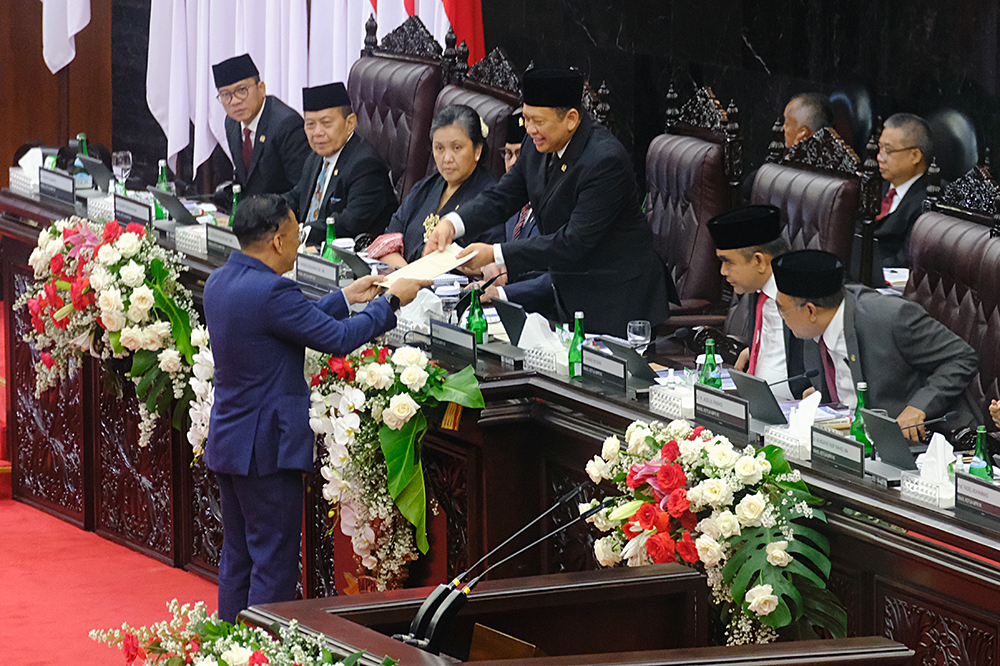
[332,159]
[902,189]
[770,288]
[252,125]
[835,329]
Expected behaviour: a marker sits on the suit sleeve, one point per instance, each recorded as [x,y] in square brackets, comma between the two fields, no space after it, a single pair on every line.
[366,198]
[928,346]
[295,195]
[493,206]
[294,318]
[294,148]
[406,210]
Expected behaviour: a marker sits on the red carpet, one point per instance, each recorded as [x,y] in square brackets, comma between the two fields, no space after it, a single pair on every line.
[59,582]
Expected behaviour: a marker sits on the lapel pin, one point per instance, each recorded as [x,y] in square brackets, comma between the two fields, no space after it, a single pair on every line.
[335,172]
[262,137]
[853,357]
[564,168]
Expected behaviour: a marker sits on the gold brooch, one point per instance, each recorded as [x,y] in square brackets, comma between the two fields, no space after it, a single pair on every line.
[430,222]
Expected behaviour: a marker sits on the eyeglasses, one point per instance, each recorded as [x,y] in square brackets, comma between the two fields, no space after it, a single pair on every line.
[886,150]
[783,310]
[239,95]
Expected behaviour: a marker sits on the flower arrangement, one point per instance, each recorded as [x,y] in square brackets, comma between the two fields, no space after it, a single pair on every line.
[192,636]
[743,516]
[369,409]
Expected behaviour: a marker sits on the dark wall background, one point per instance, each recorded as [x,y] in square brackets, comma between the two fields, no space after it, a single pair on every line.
[913,55]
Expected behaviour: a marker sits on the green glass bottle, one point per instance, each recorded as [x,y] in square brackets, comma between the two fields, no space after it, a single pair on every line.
[858,421]
[162,184]
[81,144]
[477,320]
[237,195]
[710,375]
[331,235]
[985,470]
[83,179]
[576,347]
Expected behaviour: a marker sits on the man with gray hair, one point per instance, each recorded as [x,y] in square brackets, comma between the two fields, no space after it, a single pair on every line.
[904,150]
[805,115]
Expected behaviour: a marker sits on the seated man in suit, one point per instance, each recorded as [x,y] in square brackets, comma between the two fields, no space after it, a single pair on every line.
[344,177]
[265,135]
[916,369]
[259,441]
[904,150]
[593,238]
[746,240]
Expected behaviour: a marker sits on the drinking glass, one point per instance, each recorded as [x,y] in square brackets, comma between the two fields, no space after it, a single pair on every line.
[639,333]
[121,164]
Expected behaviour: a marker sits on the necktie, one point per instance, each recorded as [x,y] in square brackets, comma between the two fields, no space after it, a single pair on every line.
[758,327]
[829,372]
[247,148]
[522,219]
[316,202]
[887,203]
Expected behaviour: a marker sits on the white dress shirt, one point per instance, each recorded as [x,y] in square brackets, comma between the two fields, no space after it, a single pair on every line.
[772,365]
[836,344]
[332,162]
[252,125]
[901,192]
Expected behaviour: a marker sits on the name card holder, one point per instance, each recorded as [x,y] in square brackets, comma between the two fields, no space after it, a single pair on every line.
[57,185]
[604,369]
[128,211]
[220,241]
[315,271]
[722,413]
[455,343]
[838,452]
[977,500]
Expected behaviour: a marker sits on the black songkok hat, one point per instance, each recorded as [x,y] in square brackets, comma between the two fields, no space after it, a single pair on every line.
[560,88]
[328,96]
[745,227]
[515,128]
[808,273]
[235,69]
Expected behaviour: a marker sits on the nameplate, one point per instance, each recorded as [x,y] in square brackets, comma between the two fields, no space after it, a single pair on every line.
[220,241]
[727,414]
[128,211]
[837,452]
[602,368]
[315,271]
[455,342]
[977,498]
[57,185]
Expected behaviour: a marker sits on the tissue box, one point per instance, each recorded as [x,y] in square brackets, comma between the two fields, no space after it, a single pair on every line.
[397,336]
[22,184]
[672,402]
[191,239]
[914,488]
[101,209]
[799,449]
[546,361]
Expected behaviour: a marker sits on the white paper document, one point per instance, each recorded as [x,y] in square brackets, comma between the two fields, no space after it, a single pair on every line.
[431,266]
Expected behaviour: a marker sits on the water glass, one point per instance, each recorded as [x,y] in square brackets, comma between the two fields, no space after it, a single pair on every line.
[639,333]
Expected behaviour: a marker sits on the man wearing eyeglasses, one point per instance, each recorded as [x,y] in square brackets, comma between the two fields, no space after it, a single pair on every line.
[266,137]
[904,149]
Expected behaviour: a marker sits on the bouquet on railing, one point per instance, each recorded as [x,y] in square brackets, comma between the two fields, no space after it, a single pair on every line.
[369,408]
[742,515]
[192,636]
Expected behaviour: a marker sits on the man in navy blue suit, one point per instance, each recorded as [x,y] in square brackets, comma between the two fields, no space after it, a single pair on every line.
[259,441]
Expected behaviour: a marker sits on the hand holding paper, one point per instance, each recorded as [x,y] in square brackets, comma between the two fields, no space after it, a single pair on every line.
[481,255]
[440,239]
[430,266]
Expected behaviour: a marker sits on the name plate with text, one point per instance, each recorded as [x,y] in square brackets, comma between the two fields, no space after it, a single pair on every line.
[455,342]
[844,454]
[608,370]
[128,211]
[719,411]
[57,185]
[978,499]
[220,241]
[315,271]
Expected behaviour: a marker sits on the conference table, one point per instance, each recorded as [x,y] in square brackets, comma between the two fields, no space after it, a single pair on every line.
[922,576]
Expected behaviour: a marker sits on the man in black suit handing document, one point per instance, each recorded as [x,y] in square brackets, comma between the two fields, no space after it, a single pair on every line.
[593,238]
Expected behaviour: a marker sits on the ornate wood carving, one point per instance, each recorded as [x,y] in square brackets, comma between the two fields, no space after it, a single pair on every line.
[673,113]
[933,185]
[371,41]
[47,432]
[446,476]
[975,191]
[461,65]
[824,150]
[734,146]
[704,110]
[776,148]
[573,548]
[134,498]
[450,56]
[207,517]
[411,39]
[497,71]
[937,638]
[869,205]
[319,539]
[602,109]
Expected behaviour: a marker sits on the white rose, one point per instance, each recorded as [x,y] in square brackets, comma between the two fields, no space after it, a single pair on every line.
[709,527]
[761,601]
[377,376]
[142,297]
[149,339]
[110,300]
[406,356]
[606,552]
[691,451]
[715,493]
[696,497]
[99,279]
[777,555]
[160,328]
[597,469]
[611,449]
[128,244]
[351,400]
[108,255]
[413,377]
[199,336]
[723,456]
[170,360]
[35,258]
[113,320]
[132,274]
[751,509]
[137,314]
[131,338]
[763,463]
[637,441]
[748,471]
[728,524]
[236,655]
[377,411]
[709,550]
[401,409]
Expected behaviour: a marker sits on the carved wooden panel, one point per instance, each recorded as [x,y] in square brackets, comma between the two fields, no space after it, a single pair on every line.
[411,39]
[46,432]
[446,476]
[704,110]
[573,548]
[207,518]
[497,71]
[824,150]
[975,191]
[134,484]
[846,583]
[319,581]
[936,631]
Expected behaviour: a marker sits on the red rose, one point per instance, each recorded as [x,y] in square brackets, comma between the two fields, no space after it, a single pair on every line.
[663,522]
[694,433]
[671,477]
[686,548]
[660,548]
[366,353]
[339,366]
[112,230]
[646,515]
[630,478]
[316,380]
[135,228]
[670,451]
[69,232]
[56,264]
[631,530]
[688,520]
[383,354]
[132,651]
[678,503]
[256,658]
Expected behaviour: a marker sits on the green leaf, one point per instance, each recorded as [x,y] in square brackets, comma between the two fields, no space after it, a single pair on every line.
[626,510]
[180,322]
[152,398]
[116,344]
[405,473]
[412,503]
[460,387]
[181,409]
[327,656]
[147,380]
[353,659]
[821,608]
[389,661]
[142,361]
[175,661]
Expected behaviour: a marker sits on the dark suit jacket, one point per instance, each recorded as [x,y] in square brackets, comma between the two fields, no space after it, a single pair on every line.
[744,321]
[280,149]
[594,240]
[358,195]
[893,233]
[260,324]
[904,355]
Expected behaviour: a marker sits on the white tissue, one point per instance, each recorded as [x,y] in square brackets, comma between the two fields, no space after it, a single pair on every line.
[536,334]
[30,162]
[934,468]
[420,310]
[803,415]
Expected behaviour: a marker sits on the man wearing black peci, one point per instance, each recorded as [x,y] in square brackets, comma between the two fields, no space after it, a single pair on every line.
[593,239]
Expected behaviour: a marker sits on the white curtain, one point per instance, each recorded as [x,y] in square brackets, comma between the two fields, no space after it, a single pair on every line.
[61,20]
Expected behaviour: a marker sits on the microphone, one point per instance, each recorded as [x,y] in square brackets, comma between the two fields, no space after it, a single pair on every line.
[681,333]
[808,374]
[950,416]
